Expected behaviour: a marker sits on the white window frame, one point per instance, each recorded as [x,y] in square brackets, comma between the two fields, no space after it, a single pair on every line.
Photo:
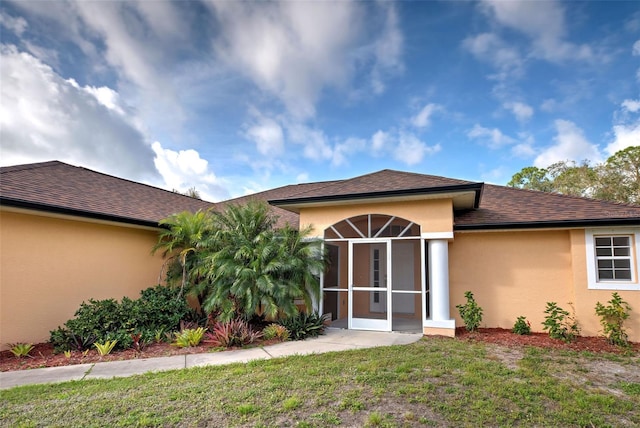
[592,271]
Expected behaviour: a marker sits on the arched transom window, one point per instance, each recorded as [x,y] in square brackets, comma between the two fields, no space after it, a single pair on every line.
[372,226]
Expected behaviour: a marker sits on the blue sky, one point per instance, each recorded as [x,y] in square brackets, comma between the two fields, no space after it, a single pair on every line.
[234,97]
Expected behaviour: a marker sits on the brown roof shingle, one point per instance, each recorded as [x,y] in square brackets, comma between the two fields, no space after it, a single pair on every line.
[499,206]
[384,181]
[284,216]
[59,187]
[507,206]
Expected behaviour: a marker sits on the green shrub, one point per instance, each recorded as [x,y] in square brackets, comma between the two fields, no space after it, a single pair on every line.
[522,326]
[157,308]
[612,318]
[20,350]
[189,337]
[236,332]
[303,325]
[276,331]
[470,312]
[106,347]
[560,323]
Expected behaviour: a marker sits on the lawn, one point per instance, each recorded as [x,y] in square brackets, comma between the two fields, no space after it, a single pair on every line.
[434,382]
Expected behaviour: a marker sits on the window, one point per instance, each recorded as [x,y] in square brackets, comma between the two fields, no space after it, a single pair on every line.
[611,259]
[613,254]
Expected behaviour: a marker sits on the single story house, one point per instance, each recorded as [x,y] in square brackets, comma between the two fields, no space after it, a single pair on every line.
[403,248]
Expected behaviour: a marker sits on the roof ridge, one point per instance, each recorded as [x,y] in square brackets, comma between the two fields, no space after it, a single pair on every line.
[563,195]
[27,166]
[53,163]
[257,194]
[420,174]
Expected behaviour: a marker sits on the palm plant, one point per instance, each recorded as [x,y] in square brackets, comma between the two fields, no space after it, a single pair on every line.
[256,268]
[183,242]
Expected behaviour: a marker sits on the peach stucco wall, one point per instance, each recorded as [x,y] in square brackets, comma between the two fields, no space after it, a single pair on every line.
[586,299]
[432,215]
[516,273]
[48,266]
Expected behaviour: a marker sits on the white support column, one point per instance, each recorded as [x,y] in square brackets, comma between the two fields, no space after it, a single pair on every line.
[441,321]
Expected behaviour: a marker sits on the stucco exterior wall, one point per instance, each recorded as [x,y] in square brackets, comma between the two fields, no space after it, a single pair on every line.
[586,298]
[517,273]
[48,266]
[434,216]
[511,274]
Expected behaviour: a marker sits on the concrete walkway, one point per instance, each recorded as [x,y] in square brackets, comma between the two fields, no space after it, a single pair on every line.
[332,340]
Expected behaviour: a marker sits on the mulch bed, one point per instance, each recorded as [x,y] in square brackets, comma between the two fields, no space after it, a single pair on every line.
[42,354]
[504,337]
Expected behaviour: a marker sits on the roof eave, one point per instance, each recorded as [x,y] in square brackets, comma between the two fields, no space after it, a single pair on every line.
[552,224]
[17,203]
[294,204]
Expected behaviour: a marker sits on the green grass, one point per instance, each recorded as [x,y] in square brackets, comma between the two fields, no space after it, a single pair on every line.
[435,382]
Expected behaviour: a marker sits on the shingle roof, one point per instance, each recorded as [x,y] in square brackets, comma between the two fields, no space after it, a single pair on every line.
[58,187]
[498,207]
[381,182]
[509,207]
[284,216]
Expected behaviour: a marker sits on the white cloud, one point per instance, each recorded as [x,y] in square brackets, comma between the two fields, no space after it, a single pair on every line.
[379,141]
[104,95]
[635,51]
[494,138]
[490,48]
[343,150]
[523,150]
[423,118]
[632,106]
[387,49]
[624,136]
[626,128]
[403,146]
[570,144]
[267,134]
[315,142]
[16,25]
[521,111]
[411,150]
[524,147]
[543,22]
[45,117]
[142,45]
[184,169]
[549,105]
[293,50]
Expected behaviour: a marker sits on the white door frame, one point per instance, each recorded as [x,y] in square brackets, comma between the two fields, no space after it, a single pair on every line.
[368,323]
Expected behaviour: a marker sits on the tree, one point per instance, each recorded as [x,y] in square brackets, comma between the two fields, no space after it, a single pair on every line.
[191,192]
[238,264]
[617,179]
[532,178]
[184,240]
[259,269]
[620,176]
[571,179]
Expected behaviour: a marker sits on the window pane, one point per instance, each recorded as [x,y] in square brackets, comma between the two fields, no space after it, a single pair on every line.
[605,264]
[622,264]
[623,275]
[605,274]
[620,241]
[621,252]
[603,242]
[603,252]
